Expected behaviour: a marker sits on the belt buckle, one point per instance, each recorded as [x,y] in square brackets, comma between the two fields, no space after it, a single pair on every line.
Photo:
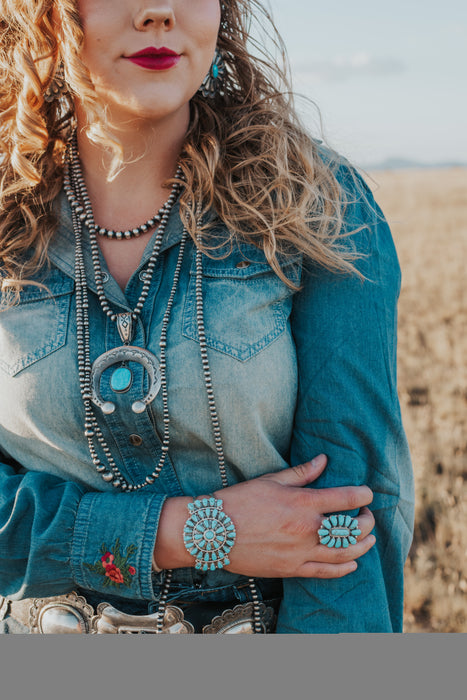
[109,620]
[64,614]
[240,620]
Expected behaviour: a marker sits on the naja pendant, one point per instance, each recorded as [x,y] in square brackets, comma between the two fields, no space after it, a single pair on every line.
[123,355]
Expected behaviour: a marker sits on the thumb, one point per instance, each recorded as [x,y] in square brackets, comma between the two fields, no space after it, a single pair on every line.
[302,474]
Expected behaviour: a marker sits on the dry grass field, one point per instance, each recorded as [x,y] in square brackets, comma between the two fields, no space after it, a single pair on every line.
[427,210]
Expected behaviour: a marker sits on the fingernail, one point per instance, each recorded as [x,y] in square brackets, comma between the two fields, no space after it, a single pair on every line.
[318,460]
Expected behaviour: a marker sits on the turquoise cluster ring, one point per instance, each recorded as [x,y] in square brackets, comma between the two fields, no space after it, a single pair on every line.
[209,534]
[339,531]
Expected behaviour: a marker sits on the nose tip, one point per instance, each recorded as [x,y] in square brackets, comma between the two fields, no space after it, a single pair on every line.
[149,17]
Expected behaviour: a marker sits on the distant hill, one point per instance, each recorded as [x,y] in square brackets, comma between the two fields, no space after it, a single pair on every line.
[405,164]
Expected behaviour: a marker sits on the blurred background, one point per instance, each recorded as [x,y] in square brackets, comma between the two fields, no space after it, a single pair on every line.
[389,81]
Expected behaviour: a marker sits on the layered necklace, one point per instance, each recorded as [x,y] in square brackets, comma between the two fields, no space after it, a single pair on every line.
[90,373]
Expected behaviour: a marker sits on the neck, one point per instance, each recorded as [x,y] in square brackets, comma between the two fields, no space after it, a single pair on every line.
[151,152]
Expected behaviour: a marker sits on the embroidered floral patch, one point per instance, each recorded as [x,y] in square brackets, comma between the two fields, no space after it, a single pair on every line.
[113,565]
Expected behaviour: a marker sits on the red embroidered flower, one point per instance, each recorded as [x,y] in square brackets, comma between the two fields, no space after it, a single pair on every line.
[131,570]
[107,559]
[113,573]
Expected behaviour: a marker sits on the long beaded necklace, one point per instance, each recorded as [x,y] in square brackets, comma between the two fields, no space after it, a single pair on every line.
[90,373]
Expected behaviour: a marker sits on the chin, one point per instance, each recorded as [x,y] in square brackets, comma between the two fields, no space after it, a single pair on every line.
[152,108]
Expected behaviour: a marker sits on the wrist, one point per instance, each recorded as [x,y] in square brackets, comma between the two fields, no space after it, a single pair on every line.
[169,551]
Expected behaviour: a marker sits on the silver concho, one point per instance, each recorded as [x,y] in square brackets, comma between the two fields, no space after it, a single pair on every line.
[125,354]
[65,614]
[109,620]
[240,620]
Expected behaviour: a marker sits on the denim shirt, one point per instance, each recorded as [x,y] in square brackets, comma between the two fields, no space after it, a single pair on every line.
[294,374]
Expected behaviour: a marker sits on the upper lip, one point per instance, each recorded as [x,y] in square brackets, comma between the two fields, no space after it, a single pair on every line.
[152,51]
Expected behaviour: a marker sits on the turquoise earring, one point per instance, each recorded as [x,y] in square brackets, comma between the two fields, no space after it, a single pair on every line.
[212,83]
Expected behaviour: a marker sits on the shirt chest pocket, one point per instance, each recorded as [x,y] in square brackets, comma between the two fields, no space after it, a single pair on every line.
[246,306]
[36,326]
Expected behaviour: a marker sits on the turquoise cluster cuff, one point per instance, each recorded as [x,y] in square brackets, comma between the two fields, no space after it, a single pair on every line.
[339,531]
[209,534]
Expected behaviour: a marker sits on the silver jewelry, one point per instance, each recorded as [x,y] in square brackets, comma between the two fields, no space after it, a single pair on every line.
[212,83]
[57,87]
[339,531]
[89,374]
[134,232]
[72,614]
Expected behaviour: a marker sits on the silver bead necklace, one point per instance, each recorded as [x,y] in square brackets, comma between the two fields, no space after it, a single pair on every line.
[134,232]
[90,373]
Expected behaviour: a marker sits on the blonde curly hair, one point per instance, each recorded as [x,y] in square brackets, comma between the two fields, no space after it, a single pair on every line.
[246,154]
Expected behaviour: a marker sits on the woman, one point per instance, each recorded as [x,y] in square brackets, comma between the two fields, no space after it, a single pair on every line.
[197,298]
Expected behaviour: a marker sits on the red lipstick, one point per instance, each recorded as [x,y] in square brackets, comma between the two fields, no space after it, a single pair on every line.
[155,59]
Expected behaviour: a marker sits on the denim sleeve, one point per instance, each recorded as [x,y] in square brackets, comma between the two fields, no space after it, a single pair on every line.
[345,335]
[55,536]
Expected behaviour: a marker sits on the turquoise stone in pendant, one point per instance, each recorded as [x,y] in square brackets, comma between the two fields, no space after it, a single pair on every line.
[121,380]
[215,71]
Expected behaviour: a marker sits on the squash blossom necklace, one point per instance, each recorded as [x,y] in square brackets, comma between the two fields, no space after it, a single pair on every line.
[90,373]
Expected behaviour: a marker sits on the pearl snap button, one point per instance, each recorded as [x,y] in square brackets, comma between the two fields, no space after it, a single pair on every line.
[136,440]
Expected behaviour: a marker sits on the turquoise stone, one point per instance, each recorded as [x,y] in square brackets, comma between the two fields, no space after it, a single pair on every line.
[209,535]
[215,71]
[121,380]
[340,532]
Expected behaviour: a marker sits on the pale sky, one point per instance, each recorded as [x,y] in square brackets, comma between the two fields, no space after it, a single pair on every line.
[389,78]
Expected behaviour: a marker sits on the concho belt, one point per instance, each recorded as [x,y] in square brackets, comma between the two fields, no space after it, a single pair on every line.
[72,614]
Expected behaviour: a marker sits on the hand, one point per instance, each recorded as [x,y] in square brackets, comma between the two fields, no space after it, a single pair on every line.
[277,523]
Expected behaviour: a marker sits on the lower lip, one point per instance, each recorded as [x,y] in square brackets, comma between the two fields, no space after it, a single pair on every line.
[155,62]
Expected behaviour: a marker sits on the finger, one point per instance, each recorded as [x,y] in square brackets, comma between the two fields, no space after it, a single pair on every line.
[300,475]
[366,522]
[327,555]
[313,569]
[341,498]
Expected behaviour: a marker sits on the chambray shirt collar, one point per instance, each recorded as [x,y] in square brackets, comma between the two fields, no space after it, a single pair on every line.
[62,248]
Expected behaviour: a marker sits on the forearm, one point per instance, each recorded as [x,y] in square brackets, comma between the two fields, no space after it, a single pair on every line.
[169,551]
[53,535]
